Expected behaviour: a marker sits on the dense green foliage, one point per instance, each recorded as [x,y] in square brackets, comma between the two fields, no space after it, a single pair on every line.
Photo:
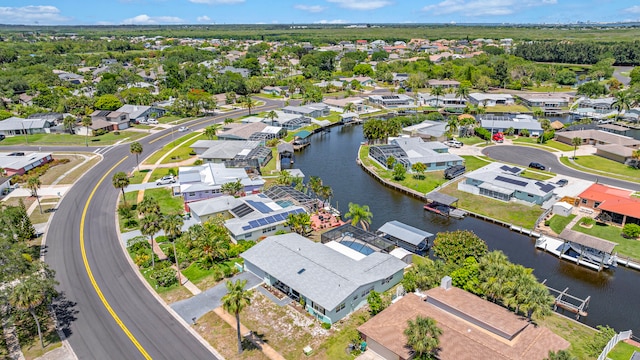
[580,52]
[453,247]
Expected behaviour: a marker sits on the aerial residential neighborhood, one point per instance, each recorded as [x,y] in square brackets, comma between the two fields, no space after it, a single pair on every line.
[334,189]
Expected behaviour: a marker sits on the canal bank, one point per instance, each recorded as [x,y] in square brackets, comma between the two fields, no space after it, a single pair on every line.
[614,293]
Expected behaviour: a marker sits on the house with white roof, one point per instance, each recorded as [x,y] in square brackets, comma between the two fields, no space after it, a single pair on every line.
[411,150]
[331,280]
[491,99]
[18,162]
[141,112]
[518,123]
[428,130]
[503,182]
[205,181]
[548,102]
[393,101]
[311,110]
[17,126]
[289,121]
[446,100]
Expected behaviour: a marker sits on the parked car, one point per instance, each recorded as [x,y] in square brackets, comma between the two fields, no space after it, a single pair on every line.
[536,165]
[453,143]
[562,182]
[498,137]
[454,171]
[2,137]
[168,179]
[183,128]
[152,121]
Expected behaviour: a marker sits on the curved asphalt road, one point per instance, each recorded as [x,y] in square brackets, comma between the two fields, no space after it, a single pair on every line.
[90,327]
[523,155]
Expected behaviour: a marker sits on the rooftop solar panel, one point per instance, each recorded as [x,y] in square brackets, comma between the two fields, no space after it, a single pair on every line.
[254,223]
[246,227]
[242,210]
[262,207]
[545,187]
[270,219]
[511,181]
[262,222]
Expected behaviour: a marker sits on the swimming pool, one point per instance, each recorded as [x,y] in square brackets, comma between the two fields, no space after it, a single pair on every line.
[284,203]
[361,248]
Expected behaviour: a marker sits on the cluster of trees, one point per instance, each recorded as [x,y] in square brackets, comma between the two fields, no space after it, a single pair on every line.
[378,130]
[579,52]
[463,256]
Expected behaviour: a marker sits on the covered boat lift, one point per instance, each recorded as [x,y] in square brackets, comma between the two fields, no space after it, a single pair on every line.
[589,248]
[406,236]
[443,204]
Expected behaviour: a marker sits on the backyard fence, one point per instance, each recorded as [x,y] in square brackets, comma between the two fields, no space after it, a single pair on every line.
[624,335]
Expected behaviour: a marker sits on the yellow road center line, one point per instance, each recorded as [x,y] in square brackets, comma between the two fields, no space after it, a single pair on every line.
[88,268]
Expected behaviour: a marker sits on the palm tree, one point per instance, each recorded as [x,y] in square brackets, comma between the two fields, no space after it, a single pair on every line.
[576,141]
[271,115]
[462,92]
[68,122]
[622,102]
[422,336]
[359,215]
[149,205]
[172,226]
[248,102]
[232,188]
[31,293]
[149,226]
[136,149]
[33,184]
[212,130]
[634,155]
[120,181]
[86,122]
[236,299]
[452,124]
[437,92]
[349,107]
[315,184]
[284,178]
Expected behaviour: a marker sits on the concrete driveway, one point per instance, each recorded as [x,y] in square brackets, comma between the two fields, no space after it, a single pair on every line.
[210,299]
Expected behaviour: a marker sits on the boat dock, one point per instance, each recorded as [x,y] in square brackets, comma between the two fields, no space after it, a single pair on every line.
[568,302]
[562,249]
[443,204]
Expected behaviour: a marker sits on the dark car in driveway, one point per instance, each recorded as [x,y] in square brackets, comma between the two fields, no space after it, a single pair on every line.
[536,165]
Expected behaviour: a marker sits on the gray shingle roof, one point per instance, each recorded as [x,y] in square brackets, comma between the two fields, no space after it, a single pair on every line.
[320,273]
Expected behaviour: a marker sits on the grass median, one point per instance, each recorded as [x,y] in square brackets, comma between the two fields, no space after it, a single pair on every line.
[599,165]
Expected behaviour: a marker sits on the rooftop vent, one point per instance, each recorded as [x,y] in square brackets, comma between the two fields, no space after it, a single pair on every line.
[445,283]
[301,271]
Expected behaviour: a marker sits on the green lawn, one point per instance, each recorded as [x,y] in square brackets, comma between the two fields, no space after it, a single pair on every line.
[557,223]
[536,175]
[74,140]
[138,176]
[160,172]
[470,140]
[475,162]
[292,134]
[576,334]
[173,118]
[170,147]
[169,204]
[608,167]
[626,247]
[334,117]
[558,146]
[271,165]
[622,351]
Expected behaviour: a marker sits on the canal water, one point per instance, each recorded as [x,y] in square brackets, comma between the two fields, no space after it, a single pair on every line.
[615,294]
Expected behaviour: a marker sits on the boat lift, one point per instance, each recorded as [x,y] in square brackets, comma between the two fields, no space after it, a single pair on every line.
[560,301]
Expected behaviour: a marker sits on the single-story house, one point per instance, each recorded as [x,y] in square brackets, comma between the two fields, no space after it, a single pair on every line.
[141,112]
[597,137]
[335,83]
[18,163]
[331,280]
[491,99]
[97,124]
[427,130]
[71,78]
[288,121]
[18,126]
[362,80]
[502,182]
[338,104]
[447,100]
[548,102]
[518,123]
[408,151]
[400,78]
[406,236]
[472,328]
[392,101]
[243,72]
[217,151]
[599,105]
[275,90]
[445,84]
[616,205]
[615,152]
[205,181]
[311,110]
[120,120]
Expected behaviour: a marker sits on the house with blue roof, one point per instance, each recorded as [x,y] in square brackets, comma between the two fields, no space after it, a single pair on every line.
[503,182]
[331,280]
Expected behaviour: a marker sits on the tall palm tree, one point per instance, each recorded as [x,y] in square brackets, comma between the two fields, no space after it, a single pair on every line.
[272,115]
[86,122]
[31,293]
[33,184]
[462,92]
[248,102]
[437,92]
[172,226]
[349,107]
[148,205]
[576,141]
[452,124]
[136,149]
[212,130]
[622,102]
[236,299]
[150,226]
[68,122]
[120,181]
[359,215]
[315,184]
[423,336]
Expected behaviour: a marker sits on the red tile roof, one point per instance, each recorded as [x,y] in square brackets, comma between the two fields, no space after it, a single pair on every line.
[612,199]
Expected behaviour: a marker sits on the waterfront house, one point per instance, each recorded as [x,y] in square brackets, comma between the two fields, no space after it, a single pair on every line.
[392,101]
[310,110]
[447,100]
[502,182]
[245,154]
[19,162]
[331,281]
[488,100]
[288,121]
[427,130]
[548,102]
[205,181]
[472,328]
[518,122]
[338,104]
[258,131]
[614,205]
[408,151]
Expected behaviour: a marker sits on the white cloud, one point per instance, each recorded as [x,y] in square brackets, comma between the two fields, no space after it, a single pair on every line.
[310,8]
[484,7]
[361,4]
[203,18]
[217,2]
[145,19]
[634,9]
[32,14]
[335,21]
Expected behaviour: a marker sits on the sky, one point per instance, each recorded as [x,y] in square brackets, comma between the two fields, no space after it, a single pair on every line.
[153,12]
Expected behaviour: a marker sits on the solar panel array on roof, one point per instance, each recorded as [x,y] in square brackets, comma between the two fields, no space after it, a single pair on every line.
[390,97]
[242,210]
[104,113]
[545,187]
[511,181]
[262,207]
[513,170]
[271,219]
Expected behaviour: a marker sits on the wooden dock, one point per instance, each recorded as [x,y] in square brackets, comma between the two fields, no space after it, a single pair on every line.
[576,305]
